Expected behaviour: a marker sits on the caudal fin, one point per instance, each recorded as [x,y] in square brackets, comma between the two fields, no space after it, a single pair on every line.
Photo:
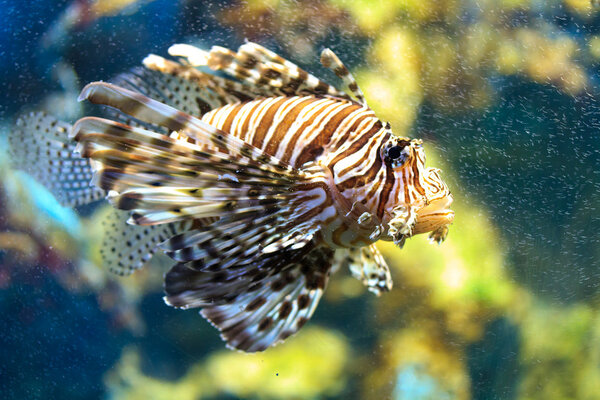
[40,145]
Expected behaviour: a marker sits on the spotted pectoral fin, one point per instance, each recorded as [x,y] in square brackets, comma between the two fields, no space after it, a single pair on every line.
[259,304]
[126,247]
[40,145]
[200,87]
[368,266]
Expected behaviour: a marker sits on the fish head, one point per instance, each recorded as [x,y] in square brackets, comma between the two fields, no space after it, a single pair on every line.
[419,200]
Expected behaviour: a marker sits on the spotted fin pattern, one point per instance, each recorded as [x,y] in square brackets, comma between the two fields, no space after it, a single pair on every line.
[258,304]
[182,87]
[126,248]
[368,266]
[200,87]
[40,145]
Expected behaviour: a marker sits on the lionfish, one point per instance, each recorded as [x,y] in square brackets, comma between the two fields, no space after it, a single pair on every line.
[259,181]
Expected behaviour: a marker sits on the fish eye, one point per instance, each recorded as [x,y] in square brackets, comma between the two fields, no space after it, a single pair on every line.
[397,153]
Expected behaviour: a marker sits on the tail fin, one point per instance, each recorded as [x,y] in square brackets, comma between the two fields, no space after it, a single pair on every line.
[40,145]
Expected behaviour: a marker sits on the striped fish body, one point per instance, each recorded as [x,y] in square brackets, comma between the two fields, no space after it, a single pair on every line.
[339,136]
[360,189]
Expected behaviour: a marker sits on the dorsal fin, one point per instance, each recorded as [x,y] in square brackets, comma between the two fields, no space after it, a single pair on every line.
[259,69]
[331,61]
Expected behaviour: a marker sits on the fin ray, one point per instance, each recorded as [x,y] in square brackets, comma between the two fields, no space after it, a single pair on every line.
[257,305]
[368,266]
[258,68]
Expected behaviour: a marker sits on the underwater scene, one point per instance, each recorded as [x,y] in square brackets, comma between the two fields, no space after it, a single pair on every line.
[294,199]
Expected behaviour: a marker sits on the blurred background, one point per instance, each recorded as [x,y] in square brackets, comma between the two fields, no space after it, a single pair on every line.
[505,95]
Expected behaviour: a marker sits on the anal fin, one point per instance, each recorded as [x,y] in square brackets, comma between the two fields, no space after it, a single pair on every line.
[125,247]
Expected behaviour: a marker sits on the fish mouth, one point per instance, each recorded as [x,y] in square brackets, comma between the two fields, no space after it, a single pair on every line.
[434,216]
